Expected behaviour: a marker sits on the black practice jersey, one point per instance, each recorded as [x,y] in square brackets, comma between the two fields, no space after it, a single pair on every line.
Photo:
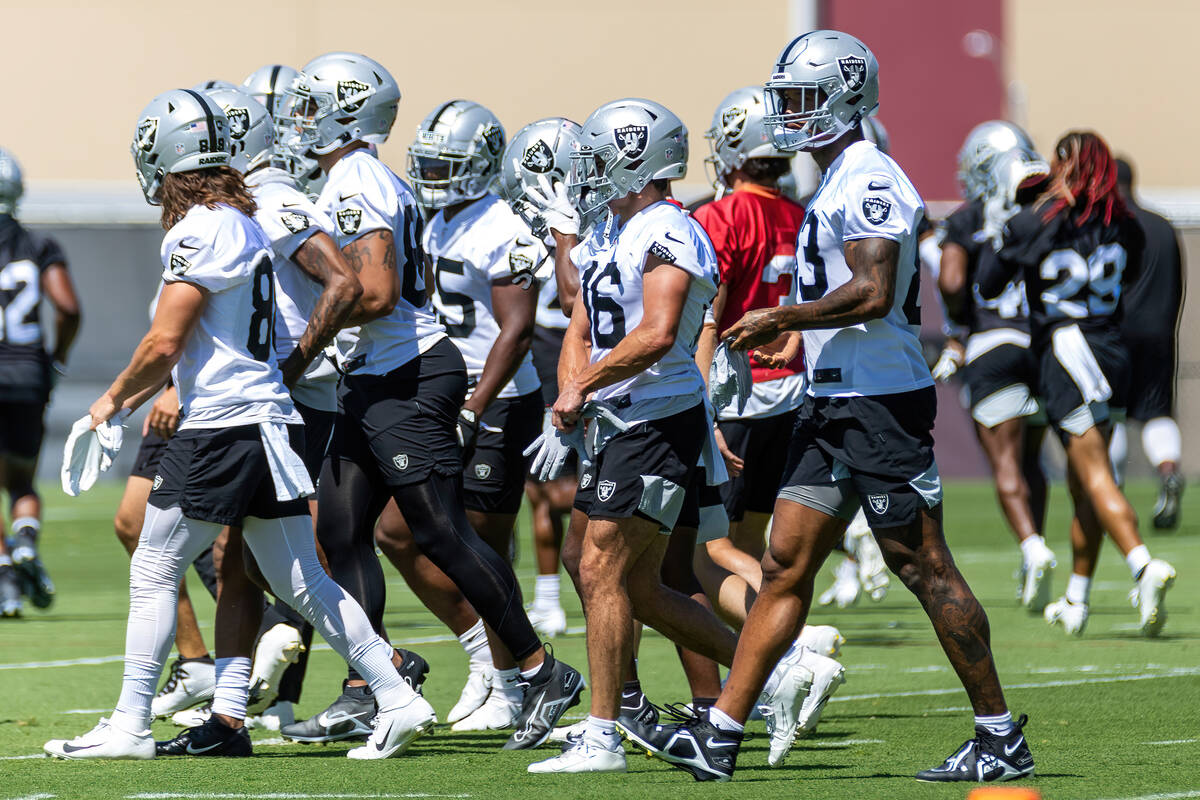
[1153,299]
[1008,307]
[24,365]
[1073,274]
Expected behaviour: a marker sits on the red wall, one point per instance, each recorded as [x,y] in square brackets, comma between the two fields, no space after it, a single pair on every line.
[931,92]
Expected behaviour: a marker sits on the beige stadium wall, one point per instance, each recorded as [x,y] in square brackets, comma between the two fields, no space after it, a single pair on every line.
[80,72]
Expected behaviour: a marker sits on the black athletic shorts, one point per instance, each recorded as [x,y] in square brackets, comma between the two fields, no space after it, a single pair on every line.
[699,495]
[402,425]
[21,430]
[318,429]
[1060,389]
[880,447]
[1151,377]
[221,475]
[760,443]
[547,346]
[1002,384]
[645,471]
[150,452]
[494,481]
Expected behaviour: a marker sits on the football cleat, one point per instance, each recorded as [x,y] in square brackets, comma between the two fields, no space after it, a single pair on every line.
[637,718]
[554,689]
[278,648]
[498,713]
[569,733]
[275,717]
[192,717]
[1166,507]
[1071,616]
[827,676]
[103,741]
[348,717]
[213,738]
[698,747]
[10,592]
[986,758]
[413,669]
[1038,574]
[397,729]
[845,589]
[188,684]
[548,622]
[1148,596]
[824,639]
[582,755]
[35,581]
[780,708]
[474,693]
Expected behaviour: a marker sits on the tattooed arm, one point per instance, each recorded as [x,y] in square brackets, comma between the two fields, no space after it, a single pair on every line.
[321,260]
[866,296]
[372,256]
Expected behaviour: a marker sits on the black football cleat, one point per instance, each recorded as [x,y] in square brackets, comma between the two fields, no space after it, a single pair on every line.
[638,717]
[213,738]
[413,670]
[555,688]
[695,746]
[348,717]
[986,758]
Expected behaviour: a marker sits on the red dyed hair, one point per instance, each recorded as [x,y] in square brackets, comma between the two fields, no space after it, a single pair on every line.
[1084,178]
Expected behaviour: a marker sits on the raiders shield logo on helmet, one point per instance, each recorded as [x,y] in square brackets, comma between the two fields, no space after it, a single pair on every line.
[733,123]
[400,460]
[352,94]
[179,264]
[854,72]
[605,489]
[147,133]
[348,220]
[878,503]
[632,140]
[493,137]
[482,471]
[538,157]
[876,210]
[239,121]
[294,222]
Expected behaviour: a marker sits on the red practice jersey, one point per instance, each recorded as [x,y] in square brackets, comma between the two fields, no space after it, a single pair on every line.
[754,231]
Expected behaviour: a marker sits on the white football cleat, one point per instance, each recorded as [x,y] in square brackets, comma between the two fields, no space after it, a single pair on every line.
[1149,594]
[846,588]
[582,756]
[1038,573]
[280,714]
[780,709]
[872,570]
[103,741]
[1071,616]
[567,732]
[277,648]
[189,683]
[192,717]
[824,639]
[827,676]
[548,622]
[474,693]
[498,713]
[396,730]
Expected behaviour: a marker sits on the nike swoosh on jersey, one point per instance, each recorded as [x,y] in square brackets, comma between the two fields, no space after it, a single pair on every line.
[876,186]
[1008,751]
[294,205]
[672,238]
[183,246]
[197,751]
[344,197]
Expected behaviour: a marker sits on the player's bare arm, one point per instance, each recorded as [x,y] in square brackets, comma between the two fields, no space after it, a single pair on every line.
[707,343]
[163,417]
[321,260]
[57,286]
[866,296]
[566,275]
[179,308]
[372,256]
[952,278]
[514,309]
[575,355]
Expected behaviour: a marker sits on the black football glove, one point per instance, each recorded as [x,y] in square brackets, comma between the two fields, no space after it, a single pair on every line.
[468,432]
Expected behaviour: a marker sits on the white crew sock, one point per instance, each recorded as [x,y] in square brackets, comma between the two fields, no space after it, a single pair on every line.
[508,684]
[1033,546]
[602,733]
[1079,589]
[723,722]
[1162,441]
[5,560]
[1137,559]
[20,523]
[1118,452]
[233,687]
[475,642]
[545,591]
[999,725]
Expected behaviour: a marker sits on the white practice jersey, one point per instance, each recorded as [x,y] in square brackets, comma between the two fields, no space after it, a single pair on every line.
[360,196]
[483,243]
[289,218]
[610,274]
[549,309]
[227,375]
[864,194]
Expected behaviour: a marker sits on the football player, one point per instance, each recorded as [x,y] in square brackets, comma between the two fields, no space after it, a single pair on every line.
[1149,328]
[1077,248]
[32,268]
[233,460]
[999,367]
[396,435]
[863,434]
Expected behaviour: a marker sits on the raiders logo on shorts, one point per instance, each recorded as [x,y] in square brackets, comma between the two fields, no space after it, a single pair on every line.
[878,502]
[349,220]
[401,461]
[294,222]
[605,489]
[585,481]
[158,481]
[483,471]
[876,210]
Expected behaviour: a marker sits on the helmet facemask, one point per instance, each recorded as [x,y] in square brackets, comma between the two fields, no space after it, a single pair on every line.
[443,177]
[589,188]
[800,115]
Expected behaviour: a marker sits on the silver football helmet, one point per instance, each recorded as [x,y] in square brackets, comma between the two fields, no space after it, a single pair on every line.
[456,154]
[269,84]
[1008,173]
[986,141]
[336,99]
[208,86]
[623,146]
[181,130]
[251,129]
[540,150]
[12,186]
[824,84]
[737,134]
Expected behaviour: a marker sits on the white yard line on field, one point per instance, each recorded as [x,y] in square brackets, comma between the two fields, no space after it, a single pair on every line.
[841,743]
[1174,741]
[276,796]
[23,758]
[1166,796]
[33,797]
[86,711]
[68,662]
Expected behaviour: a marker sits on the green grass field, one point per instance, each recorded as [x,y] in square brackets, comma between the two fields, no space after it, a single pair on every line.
[1111,715]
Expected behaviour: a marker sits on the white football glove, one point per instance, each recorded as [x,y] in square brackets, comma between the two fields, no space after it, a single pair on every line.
[551,451]
[90,452]
[729,378]
[555,208]
[947,364]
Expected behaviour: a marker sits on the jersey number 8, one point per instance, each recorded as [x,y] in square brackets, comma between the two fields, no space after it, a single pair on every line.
[261,339]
